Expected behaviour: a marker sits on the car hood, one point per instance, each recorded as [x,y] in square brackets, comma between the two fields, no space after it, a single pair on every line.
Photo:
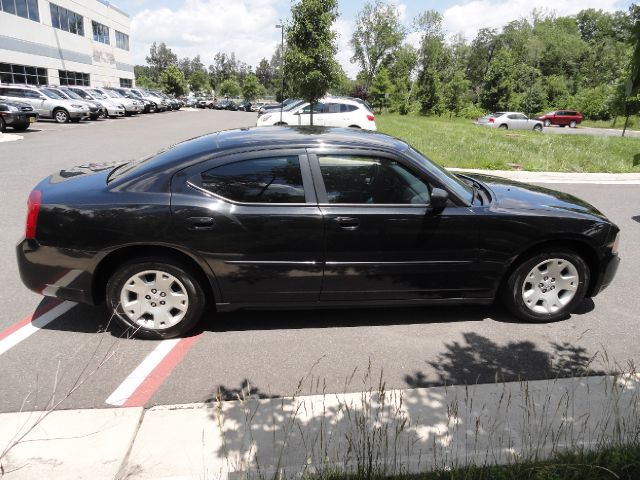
[513,195]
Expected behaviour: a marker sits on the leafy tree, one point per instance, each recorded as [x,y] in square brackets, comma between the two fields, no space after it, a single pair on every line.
[265,73]
[432,62]
[377,35]
[199,81]
[455,92]
[481,53]
[499,82]
[251,89]
[380,89]
[310,56]
[229,88]
[143,81]
[632,88]
[401,72]
[172,81]
[159,58]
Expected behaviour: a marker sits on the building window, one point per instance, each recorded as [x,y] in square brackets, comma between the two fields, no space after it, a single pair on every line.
[73,78]
[22,74]
[126,83]
[22,8]
[122,40]
[100,32]
[66,20]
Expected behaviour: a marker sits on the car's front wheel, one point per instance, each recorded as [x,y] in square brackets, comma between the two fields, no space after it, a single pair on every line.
[156,297]
[547,286]
[537,128]
[3,125]
[573,124]
[547,123]
[504,126]
[61,116]
[21,127]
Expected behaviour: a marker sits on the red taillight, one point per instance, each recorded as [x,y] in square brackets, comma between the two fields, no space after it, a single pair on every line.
[33,207]
[491,120]
[371,118]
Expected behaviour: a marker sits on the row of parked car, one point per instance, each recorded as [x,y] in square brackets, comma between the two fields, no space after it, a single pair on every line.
[226,104]
[22,105]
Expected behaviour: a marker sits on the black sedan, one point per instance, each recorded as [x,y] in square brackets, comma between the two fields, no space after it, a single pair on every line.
[280,217]
[18,115]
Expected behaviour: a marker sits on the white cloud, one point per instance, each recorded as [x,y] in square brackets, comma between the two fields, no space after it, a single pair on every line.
[468,18]
[344,29]
[204,27]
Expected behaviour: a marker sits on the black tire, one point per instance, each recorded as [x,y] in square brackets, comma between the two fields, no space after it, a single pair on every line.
[573,124]
[354,126]
[3,125]
[196,297]
[60,115]
[504,126]
[547,123]
[75,120]
[21,127]
[280,124]
[537,128]
[512,294]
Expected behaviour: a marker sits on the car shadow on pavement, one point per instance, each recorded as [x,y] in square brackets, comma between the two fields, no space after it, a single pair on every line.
[636,218]
[88,319]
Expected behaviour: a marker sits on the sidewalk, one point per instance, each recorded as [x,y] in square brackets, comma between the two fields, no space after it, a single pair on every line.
[406,430]
[560,177]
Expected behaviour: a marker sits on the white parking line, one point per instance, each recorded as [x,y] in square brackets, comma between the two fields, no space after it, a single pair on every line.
[28,326]
[142,371]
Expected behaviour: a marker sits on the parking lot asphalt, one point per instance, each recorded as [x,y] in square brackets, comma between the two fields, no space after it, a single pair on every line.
[75,349]
[595,132]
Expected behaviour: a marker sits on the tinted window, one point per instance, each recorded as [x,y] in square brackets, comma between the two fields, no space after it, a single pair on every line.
[344,108]
[317,108]
[23,8]
[364,180]
[100,32]
[66,20]
[264,180]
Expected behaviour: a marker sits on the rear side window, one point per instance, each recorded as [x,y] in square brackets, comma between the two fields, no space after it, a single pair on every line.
[260,180]
[344,108]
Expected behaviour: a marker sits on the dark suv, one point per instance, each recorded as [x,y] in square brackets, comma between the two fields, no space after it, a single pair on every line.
[561,118]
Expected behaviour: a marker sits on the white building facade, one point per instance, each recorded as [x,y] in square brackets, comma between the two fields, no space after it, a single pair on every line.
[65,42]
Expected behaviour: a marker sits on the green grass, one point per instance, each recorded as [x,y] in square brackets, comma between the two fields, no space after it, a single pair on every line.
[614,463]
[618,123]
[460,143]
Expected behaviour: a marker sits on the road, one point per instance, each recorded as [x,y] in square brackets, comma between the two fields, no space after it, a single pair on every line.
[78,350]
[596,132]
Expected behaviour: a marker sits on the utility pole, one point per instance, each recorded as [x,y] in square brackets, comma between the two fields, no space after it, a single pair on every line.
[281,27]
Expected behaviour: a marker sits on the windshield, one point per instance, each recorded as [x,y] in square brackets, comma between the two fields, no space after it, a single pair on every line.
[108,93]
[453,183]
[51,94]
[71,94]
[83,94]
[293,105]
[97,94]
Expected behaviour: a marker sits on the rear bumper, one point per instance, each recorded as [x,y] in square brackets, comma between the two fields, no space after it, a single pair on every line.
[54,272]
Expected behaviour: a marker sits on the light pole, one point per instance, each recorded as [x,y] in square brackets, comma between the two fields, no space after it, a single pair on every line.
[281,27]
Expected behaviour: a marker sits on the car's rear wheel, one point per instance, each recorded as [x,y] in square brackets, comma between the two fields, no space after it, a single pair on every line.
[280,124]
[156,297]
[546,286]
[3,125]
[547,123]
[60,115]
[504,126]
[573,124]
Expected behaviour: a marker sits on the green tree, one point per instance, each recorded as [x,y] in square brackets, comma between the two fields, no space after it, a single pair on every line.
[251,89]
[265,73]
[377,35]
[172,81]
[310,56]
[159,58]
[455,92]
[432,62]
[632,87]
[229,88]
[199,81]
[401,71]
[500,82]
[143,81]
[380,89]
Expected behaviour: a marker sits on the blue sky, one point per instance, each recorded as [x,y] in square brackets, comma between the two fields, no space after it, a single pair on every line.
[246,27]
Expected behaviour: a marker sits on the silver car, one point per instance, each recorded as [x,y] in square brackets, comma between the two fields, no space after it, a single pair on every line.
[510,121]
[114,109]
[47,104]
[131,106]
[95,109]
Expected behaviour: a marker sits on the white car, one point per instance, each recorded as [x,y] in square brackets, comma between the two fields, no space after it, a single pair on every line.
[328,112]
[114,109]
[510,120]
[130,106]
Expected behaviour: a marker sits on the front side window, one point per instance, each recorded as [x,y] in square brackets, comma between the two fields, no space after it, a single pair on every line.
[370,180]
[100,32]
[260,180]
[317,108]
[66,20]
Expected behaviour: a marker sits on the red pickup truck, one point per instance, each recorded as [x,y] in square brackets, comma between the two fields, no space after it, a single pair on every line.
[561,118]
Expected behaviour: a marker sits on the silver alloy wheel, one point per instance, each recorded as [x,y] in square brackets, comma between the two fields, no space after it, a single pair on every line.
[154,299]
[550,285]
[61,116]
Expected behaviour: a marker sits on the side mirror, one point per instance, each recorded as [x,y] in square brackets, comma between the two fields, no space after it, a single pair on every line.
[439,198]
[43,98]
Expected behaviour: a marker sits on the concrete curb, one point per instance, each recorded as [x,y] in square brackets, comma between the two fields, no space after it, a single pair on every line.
[412,430]
[559,177]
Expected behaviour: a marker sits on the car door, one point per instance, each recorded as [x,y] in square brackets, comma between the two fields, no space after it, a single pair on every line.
[303,114]
[254,219]
[516,121]
[383,240]
[329,116]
